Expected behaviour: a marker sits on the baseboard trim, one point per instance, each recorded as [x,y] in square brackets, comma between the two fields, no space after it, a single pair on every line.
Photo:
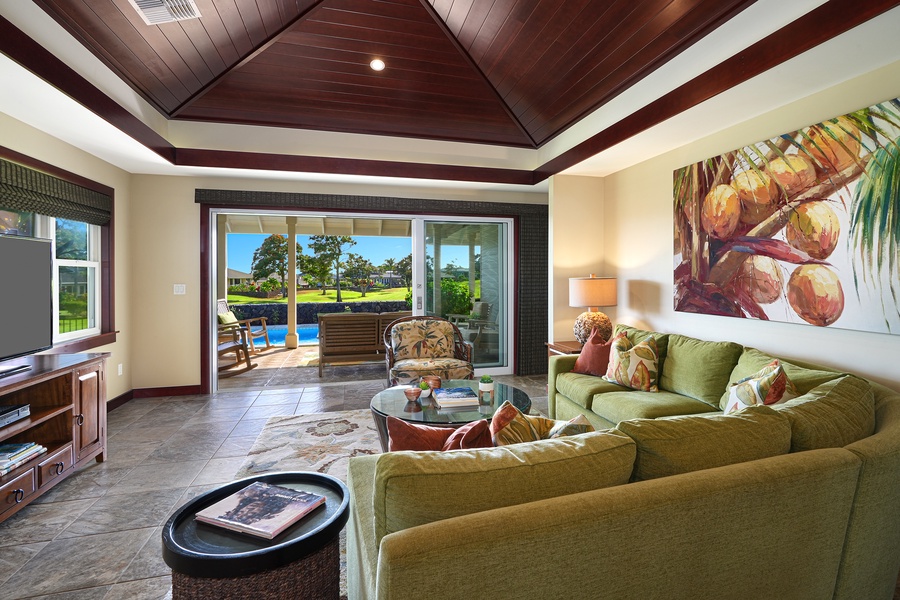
[119,400]
[184,390]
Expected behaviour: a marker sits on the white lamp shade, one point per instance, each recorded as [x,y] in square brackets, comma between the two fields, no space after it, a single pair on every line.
[592,292]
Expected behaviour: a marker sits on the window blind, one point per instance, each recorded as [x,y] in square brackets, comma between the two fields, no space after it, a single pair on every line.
[26,190]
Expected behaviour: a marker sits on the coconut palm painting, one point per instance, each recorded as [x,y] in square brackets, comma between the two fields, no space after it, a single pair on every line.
[802,228]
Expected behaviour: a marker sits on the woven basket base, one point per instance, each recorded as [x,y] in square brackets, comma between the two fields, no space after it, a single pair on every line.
[313,577]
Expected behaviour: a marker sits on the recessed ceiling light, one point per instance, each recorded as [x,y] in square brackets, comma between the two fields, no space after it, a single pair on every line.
[377,64]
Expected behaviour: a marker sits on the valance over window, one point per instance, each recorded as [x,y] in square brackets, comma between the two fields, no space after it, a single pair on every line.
[26,190]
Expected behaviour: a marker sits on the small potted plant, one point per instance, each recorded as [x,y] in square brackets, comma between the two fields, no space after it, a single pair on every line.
[486,388]
[426,389]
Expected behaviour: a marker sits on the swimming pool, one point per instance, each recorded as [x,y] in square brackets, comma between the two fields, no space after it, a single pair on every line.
[308,334]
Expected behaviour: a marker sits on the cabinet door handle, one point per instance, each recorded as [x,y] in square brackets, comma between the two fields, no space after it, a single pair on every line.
[79,420]
[20,495]
[60,467]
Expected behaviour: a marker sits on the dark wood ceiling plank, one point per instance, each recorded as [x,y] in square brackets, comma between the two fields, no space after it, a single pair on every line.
[234,25]
[479,44]
[815,27]
[130,60]
[399,38]
[521,12]
[216,59]
[540,40]
[442,7]
[304,40]
[190,53]
[476,14]
[634,62]
[593,40]
[271,16]
[407,10]
[252,20]
[214,28]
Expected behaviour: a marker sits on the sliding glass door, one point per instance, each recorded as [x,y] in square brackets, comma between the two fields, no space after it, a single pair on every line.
[465,276]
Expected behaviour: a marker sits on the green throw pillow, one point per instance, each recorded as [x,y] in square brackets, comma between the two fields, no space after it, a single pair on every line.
[414,488]
[676,445]
[227,318]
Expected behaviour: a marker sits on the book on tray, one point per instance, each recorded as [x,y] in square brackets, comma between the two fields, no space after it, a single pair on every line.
[450,398]
[261,509]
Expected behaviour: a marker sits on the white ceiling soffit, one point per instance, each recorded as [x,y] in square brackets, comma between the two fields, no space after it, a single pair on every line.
[269,224]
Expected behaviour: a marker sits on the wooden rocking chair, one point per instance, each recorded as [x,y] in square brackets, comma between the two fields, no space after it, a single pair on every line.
[233,338]
[260,330]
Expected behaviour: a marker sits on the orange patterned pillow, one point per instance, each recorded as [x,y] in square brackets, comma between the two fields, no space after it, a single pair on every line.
[510,426]
[634,366]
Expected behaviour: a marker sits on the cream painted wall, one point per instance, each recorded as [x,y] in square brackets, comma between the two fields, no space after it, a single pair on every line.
[639,241]
[36,144]
[576,207]
[166,241]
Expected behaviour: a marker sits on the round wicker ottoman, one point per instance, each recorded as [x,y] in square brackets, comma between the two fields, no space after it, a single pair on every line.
[303,562]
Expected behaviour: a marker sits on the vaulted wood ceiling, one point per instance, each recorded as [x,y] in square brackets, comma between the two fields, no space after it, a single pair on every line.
[506,72]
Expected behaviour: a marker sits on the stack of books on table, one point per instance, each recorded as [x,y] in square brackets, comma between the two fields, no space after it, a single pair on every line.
[14,455]
[461,398]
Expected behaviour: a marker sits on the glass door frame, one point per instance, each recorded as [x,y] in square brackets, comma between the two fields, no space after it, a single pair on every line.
[420,279]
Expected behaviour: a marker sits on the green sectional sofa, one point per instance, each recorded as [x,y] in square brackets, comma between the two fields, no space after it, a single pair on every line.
[796,501]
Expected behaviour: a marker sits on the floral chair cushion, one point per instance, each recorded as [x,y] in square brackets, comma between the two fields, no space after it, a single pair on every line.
[422,339]
[409,371]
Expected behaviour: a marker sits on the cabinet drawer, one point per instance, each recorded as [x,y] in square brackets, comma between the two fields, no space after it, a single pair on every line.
[15,491]
[55,465]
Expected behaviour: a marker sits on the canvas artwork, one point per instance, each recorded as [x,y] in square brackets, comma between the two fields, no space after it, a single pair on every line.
[800,228]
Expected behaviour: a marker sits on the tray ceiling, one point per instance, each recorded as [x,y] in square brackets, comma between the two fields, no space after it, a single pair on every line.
[505,72]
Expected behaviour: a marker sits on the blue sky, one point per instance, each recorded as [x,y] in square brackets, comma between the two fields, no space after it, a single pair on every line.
[376,249]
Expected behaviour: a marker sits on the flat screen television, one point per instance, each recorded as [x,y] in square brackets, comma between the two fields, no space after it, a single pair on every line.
[26,300]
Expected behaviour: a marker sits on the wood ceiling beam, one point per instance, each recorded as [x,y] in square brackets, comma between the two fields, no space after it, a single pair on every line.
[249,57]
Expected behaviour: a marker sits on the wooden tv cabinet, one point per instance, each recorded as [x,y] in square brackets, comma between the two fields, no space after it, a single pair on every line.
[67,396]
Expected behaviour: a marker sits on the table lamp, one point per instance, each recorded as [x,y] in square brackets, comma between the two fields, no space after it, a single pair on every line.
[592,292]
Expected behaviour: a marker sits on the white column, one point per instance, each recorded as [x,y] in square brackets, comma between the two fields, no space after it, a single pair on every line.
[290,340]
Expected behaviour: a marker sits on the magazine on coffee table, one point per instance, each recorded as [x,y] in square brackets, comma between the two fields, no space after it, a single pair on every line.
[261,509]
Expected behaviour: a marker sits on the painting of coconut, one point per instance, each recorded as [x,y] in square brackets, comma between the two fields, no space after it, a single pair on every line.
[800,228]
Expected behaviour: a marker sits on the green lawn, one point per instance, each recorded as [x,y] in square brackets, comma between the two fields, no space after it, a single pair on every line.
[330,296]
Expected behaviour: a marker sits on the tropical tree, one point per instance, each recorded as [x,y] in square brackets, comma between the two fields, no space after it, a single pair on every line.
[330,249]
[316,271]
[389,266]
[359,270]
[404,269]
[271,259]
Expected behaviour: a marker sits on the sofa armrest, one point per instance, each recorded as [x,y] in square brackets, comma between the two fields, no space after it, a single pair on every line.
[562,363]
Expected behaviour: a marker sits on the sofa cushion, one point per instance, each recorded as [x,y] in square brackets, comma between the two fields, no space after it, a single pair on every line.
[699,369]
[752,360]
[594,356]
[633,365]
[694,442]
[770,385]
[837,413]
[413,488]
[621,406]
[413,436]
[510,426]
[581,389]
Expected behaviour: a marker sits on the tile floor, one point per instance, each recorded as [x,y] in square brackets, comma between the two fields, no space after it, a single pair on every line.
[98,534]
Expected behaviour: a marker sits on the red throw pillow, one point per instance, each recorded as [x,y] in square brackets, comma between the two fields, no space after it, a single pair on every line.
[411,436]
[594,357]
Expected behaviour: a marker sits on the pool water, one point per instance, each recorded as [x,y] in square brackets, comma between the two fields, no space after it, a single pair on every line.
[308,334]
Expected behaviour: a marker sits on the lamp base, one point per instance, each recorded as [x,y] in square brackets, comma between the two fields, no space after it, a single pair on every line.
[586,321]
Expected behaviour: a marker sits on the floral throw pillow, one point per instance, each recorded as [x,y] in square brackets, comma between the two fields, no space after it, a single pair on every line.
[510,426]
[769,385]
[634,366]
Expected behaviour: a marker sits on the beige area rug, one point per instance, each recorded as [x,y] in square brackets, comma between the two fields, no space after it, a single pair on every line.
[322,442]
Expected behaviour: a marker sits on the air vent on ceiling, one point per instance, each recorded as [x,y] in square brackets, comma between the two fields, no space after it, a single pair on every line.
[155,12]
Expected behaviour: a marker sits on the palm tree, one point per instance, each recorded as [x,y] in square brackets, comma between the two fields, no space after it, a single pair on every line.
[389,266]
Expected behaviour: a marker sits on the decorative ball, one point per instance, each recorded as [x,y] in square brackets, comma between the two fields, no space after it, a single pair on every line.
[586,321]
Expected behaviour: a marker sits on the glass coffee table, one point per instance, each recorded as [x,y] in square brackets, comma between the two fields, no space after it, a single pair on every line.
[392,402]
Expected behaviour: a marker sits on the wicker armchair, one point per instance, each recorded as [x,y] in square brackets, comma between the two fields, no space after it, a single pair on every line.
[417,346]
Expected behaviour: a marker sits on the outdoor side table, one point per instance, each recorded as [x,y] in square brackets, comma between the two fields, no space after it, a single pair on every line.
[302,562]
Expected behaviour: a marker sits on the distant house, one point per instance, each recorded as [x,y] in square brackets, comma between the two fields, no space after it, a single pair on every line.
[236,277]
[388,278]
